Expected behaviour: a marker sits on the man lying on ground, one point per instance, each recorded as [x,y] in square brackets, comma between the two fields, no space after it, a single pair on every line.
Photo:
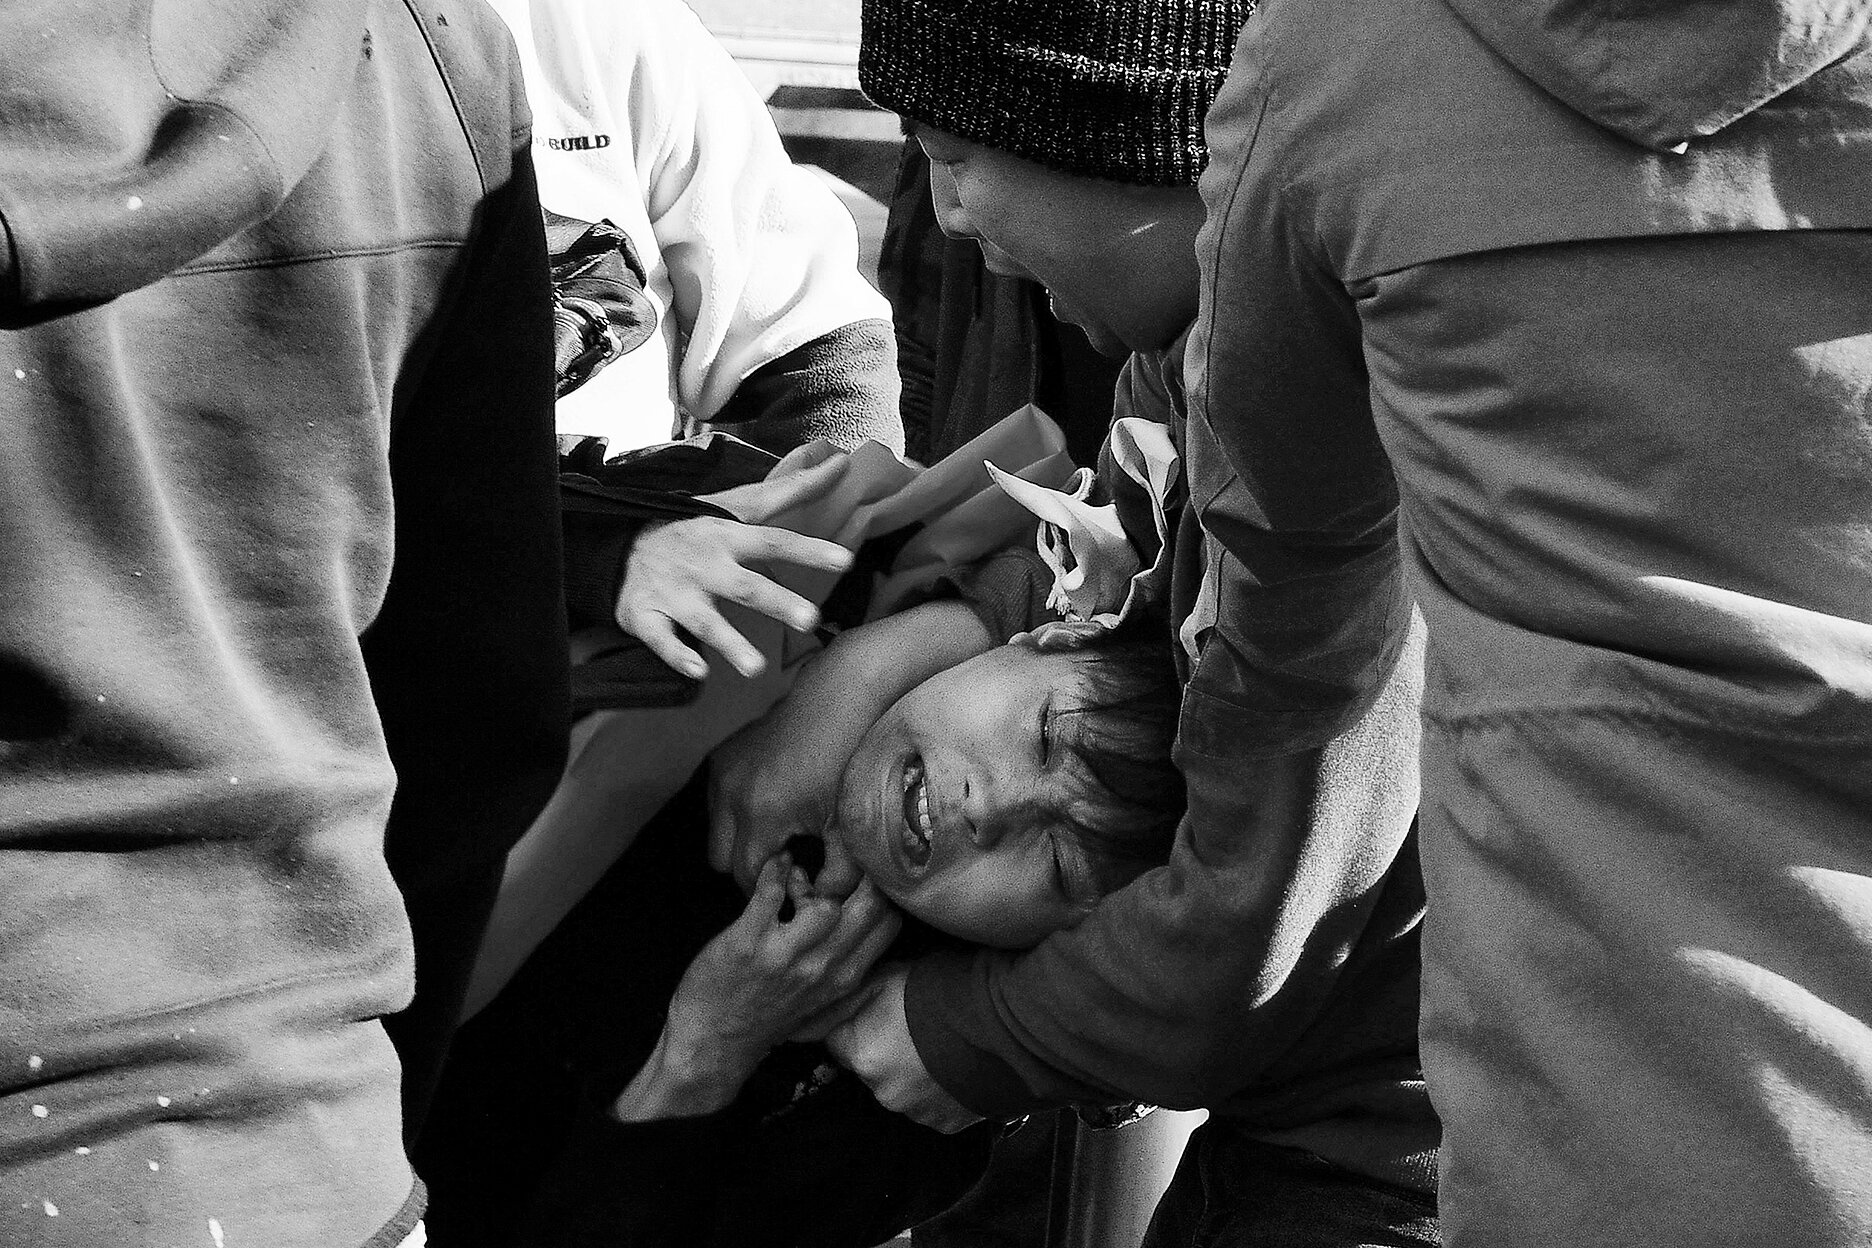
[995,803]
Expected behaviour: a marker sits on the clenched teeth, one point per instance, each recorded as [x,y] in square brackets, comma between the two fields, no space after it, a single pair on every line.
[918,830]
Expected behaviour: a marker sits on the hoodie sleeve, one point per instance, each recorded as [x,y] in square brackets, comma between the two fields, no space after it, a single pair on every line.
[131,146]
[1278,933]
[1269,947]
[842,386]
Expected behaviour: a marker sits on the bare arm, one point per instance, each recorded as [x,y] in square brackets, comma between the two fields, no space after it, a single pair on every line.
[779,777]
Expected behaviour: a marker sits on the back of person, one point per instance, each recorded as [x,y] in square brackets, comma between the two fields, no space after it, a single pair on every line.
[230,235]
[1618,325]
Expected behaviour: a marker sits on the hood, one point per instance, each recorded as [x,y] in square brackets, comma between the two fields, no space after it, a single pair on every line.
[1663,72]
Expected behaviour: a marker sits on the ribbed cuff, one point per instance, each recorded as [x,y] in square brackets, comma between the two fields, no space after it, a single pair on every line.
[597,548]
[842,386]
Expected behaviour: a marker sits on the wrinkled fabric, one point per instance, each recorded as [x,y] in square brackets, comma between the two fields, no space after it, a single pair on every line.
[1622,396]
[1664,74]
[1097,572]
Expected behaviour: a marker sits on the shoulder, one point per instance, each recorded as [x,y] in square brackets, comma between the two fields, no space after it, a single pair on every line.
[601,29]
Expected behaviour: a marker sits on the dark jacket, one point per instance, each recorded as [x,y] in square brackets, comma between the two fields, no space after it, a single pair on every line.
[1269,971]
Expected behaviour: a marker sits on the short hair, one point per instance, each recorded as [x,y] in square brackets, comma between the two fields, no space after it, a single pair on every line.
[1125,729]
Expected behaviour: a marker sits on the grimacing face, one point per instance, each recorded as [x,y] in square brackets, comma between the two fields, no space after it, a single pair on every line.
[1118,260]
[960,802]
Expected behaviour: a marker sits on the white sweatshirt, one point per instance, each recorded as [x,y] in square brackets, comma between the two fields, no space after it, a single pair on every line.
[641,117]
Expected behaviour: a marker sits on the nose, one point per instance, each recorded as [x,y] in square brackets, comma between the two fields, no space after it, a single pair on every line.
[999,805]
[950,218]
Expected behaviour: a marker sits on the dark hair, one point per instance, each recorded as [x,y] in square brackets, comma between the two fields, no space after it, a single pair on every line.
[1122,740]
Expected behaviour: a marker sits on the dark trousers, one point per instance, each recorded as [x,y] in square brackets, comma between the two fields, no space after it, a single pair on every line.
[1232,1191]
[513,1152]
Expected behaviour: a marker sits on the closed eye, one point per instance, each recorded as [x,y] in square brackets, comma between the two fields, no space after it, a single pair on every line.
[1059,869]
[1072,875]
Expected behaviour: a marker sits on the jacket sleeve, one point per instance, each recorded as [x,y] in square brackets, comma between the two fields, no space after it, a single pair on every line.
[135,138]
[1298,739]
[1204,976]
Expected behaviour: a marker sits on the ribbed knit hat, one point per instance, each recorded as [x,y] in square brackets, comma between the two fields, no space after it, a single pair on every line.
[1110,89]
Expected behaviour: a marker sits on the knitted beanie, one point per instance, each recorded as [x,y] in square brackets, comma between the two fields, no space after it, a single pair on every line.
[1111,89]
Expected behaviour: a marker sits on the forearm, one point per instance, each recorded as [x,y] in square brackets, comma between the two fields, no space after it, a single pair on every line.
[683,1079]
[864,670]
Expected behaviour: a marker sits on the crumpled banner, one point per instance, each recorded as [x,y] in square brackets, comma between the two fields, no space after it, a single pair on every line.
[625,764]
[1098,575]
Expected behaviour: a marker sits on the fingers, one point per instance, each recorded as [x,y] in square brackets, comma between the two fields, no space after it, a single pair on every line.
[710,627]
[876,940]
[814,919]
[868,923]
[840,874]
[769,888]
[769,598]
[681,572]
[864,916]
[658,632]
[839,942]
[774,545]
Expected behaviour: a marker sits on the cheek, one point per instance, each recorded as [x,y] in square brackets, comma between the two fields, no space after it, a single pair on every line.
[991,902]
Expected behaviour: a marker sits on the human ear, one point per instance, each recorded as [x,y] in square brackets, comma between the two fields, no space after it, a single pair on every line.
[1060,635]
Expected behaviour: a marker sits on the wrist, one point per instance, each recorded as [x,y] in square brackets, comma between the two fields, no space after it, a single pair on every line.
[684,1079]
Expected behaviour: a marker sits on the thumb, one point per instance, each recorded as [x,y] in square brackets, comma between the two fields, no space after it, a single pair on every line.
[769,890]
